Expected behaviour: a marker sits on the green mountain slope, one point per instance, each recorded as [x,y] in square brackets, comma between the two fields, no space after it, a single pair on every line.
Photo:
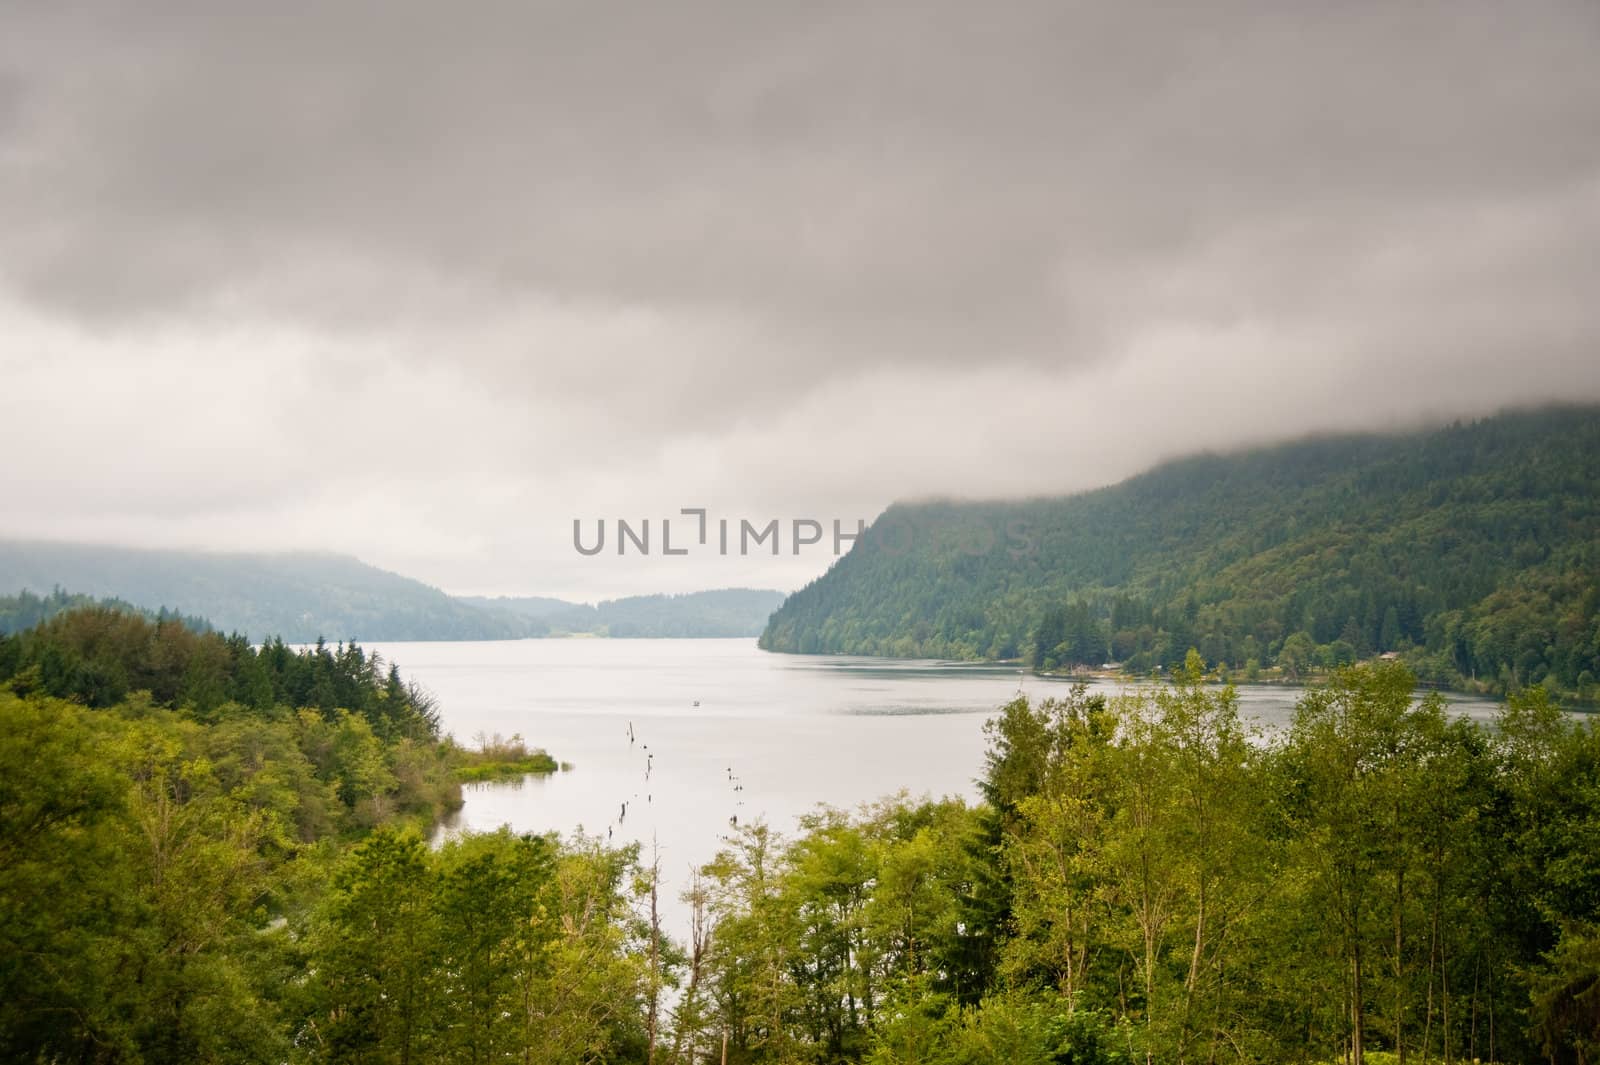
[1470,550]
[298,597]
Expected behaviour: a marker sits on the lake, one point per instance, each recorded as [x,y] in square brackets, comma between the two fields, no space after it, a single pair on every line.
[793,731]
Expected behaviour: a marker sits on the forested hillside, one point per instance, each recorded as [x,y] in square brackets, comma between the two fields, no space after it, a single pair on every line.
[195,837]
[299,597]
[303,597]
[1472,551]
[721,612]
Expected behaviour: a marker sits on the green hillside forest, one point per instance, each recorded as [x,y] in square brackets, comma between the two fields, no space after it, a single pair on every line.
[298,596]
[211,853]
[1472,552]
[305,596]
[719,613]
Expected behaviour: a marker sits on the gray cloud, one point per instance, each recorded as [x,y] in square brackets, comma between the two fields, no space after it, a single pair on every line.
[620,229]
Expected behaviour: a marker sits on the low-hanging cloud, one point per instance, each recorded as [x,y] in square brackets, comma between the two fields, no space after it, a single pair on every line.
[518,263]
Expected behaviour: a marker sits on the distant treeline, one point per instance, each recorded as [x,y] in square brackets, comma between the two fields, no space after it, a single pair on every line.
[1473,552]
[720,613]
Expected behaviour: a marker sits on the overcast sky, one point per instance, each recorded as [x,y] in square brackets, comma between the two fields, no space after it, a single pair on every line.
[425,282]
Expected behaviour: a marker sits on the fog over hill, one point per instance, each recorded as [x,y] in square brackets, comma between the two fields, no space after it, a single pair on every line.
[1473,551]
[301,596]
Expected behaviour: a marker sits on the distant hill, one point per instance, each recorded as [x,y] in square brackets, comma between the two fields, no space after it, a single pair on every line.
[1472,551]
[538,607]
[297,596]
[724,612]
[303,596]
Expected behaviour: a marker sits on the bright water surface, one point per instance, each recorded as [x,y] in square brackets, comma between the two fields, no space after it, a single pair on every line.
[794,730]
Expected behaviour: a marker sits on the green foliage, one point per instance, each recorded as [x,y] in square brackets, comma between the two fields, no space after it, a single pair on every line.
[1007,1028]
[494,947]
[498,758]
[135,886]
[1157,884]
[219,882]
[1473,552]
[1566,996]
[98,656]
[1144,881]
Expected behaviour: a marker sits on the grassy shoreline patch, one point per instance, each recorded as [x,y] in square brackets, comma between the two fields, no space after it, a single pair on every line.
[499,758]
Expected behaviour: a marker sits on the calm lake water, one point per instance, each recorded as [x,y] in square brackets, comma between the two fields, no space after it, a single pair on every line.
[794,731]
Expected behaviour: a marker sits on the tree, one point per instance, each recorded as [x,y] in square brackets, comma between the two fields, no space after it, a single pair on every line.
[375,955]
[1296,655]
[1357,760]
